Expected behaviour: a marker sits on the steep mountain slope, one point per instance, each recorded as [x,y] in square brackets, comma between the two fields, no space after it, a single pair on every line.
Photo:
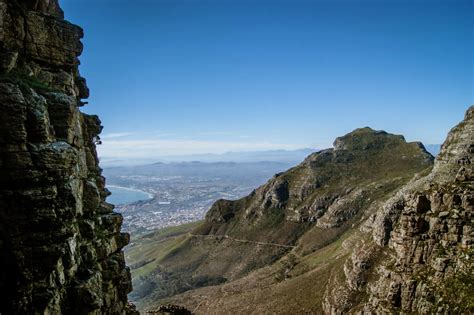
[60,242]
[426,233]
[411,253]
[143,254]
[302,210]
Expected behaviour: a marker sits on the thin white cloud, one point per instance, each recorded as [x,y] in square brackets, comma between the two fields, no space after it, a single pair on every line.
[163,134]
[143,135]
[215,133]
[115,135]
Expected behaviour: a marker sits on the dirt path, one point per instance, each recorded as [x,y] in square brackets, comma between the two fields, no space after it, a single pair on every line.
[239,240]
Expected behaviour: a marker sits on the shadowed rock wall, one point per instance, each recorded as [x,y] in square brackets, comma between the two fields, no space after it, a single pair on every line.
[60,242]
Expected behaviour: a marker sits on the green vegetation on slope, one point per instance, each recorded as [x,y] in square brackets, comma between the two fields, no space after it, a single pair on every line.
[144,254]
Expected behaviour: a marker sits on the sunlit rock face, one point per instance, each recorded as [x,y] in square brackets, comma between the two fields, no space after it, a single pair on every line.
[419,258]
[431,241]
[60,242]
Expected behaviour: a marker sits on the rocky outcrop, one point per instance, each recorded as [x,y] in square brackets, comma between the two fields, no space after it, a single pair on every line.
[60,242]
[420,257]
[430,269]
[170,309]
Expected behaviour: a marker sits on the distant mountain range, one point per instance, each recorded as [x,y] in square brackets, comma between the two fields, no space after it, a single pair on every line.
[242,171]
[284,156]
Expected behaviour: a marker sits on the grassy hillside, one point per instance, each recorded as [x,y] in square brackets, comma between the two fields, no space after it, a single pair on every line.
[295,284]
[144,254]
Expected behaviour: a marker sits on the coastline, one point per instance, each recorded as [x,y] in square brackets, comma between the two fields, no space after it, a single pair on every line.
[150,196]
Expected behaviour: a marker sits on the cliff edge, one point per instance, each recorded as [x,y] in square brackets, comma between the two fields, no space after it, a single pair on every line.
[60,242]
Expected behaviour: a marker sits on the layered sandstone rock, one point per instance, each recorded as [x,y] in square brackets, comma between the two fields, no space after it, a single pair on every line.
[60,242]
[419,259]
[430,268]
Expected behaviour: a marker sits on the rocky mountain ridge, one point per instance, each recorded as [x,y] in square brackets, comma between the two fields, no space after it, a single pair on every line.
[297,212]
[428,230]
[60,242]
[408,252]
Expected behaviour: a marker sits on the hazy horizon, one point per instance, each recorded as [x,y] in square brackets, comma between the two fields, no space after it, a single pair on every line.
[279,155]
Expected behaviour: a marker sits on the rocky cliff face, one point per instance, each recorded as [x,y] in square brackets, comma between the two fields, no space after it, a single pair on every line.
[430,265]
[60,242]
[420,257]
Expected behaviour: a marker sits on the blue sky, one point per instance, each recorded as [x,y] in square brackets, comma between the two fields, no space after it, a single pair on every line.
[181,77]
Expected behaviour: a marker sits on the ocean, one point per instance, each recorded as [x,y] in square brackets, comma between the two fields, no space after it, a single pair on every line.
[124,195]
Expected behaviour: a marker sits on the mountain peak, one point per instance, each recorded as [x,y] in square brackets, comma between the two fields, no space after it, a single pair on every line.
[367,138]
